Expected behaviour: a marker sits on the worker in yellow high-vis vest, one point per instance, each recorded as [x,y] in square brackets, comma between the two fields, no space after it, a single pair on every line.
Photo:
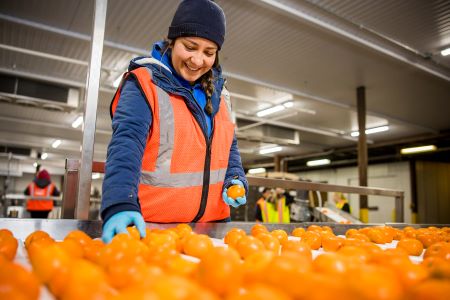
[273,209]
[342,202]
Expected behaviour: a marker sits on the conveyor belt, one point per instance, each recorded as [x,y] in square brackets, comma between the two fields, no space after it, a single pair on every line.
[58,229]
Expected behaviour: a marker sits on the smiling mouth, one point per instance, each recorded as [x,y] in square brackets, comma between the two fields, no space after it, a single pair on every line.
[191,69]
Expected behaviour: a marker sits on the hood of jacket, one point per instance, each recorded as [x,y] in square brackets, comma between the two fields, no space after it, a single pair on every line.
[165,76]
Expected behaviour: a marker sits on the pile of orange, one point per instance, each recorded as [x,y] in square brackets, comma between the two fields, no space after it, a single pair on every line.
[260,265]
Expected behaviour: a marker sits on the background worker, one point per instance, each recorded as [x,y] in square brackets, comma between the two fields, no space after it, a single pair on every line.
[341,202]
[173,153]
[41,186]
[274,209]
[260,205]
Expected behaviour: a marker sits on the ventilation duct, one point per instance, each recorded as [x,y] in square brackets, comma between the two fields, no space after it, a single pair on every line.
[33,93]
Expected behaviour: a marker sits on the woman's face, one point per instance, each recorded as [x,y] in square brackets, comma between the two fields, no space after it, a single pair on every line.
[193,56]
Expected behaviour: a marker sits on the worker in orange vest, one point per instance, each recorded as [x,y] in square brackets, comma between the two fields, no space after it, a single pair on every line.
[41,187]
[173,152]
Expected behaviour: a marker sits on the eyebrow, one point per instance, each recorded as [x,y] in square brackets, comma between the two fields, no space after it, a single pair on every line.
[196,44]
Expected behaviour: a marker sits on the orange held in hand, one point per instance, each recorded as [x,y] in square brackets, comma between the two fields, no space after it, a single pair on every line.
[236,191]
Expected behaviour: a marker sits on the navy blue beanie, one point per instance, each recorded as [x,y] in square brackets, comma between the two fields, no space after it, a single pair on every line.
[199,18]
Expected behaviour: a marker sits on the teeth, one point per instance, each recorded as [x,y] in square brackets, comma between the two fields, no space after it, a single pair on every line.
[192,68]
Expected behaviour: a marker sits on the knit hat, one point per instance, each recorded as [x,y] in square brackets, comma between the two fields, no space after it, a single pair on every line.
[199,18]
[43,175]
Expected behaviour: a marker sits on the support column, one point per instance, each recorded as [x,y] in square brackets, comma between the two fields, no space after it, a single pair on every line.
[277,163]
[90,113]
[362,152]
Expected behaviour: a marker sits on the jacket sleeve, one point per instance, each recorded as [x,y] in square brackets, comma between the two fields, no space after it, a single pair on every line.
[56,192]
[131,123]
[27,190]
[235,170]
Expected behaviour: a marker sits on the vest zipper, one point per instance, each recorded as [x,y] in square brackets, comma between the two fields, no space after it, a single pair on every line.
[207,167]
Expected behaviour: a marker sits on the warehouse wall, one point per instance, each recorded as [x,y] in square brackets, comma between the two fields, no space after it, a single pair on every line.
[391,176]
[433,192]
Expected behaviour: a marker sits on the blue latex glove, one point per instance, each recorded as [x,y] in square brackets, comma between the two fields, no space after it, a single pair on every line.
[234,202]
[119,222]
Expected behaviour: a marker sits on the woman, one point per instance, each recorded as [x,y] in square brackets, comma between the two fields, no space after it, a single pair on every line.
[173,152]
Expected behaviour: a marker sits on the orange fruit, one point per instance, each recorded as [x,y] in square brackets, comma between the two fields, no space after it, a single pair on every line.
[437,267]
[257,229]
[375,282]
[72,248]
[298,232]
[360,236]
[441,249]
[427,238]
[412,246]
[314,228]
[16,282]
[376,235]
[255,265]
[298,247]
[47,260]
[86,281]
[280,234]
[357,254]
[233,236]
[175,287]
[332,243]
[8,244]
[36,235]
[92,250]
[248,245]
[181,266]
[236,191]
[331,263]
[411,274]
[313,239]
[79,236]
[197,245]
[134,232]
[270,242]
[183,229]
[259,291]
[220,270]
[430,290]
[349,233]
[287,270]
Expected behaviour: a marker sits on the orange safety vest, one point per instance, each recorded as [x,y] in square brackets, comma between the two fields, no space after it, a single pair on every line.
[36,191]
[178,183]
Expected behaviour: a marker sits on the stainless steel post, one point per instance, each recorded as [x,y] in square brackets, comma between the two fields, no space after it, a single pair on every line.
[90,114]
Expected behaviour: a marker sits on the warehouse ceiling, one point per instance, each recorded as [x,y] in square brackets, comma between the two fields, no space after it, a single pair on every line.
[315,53]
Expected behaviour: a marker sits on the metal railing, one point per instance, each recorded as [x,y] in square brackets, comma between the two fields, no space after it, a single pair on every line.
[71,181]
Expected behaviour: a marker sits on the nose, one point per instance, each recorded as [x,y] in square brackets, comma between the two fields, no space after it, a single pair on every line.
[197,59]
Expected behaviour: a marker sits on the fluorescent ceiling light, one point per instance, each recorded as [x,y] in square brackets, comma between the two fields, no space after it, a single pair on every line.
[418,149]
[318,162]
[445,52]
[95,175]
[270,150]
[117,81]
[44,155]
[256,170]
[77,122]
[371,130]
[269,111]
[56,143]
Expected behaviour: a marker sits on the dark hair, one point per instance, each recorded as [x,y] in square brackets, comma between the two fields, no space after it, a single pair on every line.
[266,190]
[206,80]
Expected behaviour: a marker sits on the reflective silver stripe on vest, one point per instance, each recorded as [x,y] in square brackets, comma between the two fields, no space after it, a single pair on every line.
[162,177]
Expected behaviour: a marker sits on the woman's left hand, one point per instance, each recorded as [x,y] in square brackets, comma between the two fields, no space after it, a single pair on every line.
[234,202]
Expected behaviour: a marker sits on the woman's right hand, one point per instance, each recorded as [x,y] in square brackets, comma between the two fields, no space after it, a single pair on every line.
[119,222]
